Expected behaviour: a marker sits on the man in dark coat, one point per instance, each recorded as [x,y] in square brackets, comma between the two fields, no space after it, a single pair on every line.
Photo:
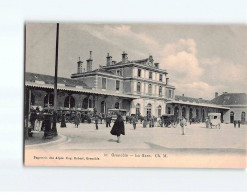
[108,121]
[96,121]
[118,127]
[33,117]
[77,120]
[145,122]
[134,122]
[239,122]
[63,123]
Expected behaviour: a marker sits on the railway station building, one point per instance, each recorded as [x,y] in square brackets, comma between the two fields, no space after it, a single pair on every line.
[138,86]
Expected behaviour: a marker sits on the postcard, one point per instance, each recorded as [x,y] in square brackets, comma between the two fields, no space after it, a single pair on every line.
[135,95]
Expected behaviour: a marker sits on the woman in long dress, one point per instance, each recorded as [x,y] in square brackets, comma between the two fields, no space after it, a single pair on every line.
[118,128]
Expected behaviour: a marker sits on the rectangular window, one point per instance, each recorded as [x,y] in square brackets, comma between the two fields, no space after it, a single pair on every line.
[139,72]
[103,83]
[138,87]
[117,85]
[150,89]
[160,91]
[150,75]
[119,72]
[160,78]
[170,94]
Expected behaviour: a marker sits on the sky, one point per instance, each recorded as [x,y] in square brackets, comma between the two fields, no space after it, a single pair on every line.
[200,59]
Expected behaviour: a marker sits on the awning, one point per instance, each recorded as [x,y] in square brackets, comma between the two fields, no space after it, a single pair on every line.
[197,104]
[82,90]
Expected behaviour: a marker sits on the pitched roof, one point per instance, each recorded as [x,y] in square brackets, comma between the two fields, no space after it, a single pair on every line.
[190,99]
[48,79]
[231,99]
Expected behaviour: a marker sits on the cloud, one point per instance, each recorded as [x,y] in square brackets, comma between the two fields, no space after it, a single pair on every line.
[226,75]
[180,60]
[123,37]
[190,75]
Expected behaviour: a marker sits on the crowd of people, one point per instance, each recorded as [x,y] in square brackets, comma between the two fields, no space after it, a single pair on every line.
[37,118]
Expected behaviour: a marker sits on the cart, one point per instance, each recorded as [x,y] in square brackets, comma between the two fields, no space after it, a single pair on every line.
[169,120]
[214,120]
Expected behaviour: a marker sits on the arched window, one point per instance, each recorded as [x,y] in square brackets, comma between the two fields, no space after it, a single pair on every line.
[90,105]
[138,109]
[69,102]
[149,110]
[176,112]
[138,87]
[231,117]
[197,113]
[184,112]
[160,91]
[102,107]
[32,99]
[87,103]
[159,110]
[150,89]
[243,117]
[191,114]
[117,105]
[48,100]
[203,115]
[168,110]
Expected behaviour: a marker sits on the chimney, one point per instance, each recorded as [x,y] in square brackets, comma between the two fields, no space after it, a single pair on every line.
[79,67]
[216,94]
[124,57]
[167,81]
[108,60]
[183,95]
[156,65]
[113,62]
[90,63]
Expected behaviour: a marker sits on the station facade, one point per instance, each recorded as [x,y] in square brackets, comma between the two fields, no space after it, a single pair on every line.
[138,86]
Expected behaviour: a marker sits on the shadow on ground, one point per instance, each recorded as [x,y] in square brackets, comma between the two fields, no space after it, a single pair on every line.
[197,150]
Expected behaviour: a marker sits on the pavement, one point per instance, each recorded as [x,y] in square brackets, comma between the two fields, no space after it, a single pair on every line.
[197,138]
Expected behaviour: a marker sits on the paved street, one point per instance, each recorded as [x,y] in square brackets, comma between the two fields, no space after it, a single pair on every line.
[196,137]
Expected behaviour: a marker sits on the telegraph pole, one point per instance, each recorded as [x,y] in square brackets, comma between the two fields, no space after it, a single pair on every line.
[54,125]
[50,133]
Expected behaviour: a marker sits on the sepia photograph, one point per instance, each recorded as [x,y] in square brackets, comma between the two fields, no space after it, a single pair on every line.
[135,95]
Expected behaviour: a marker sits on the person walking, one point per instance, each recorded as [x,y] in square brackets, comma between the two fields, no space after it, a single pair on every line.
[118,127]
[152,121]
[182,125]
[63,123]
[108,121]
[39,120]
[145,122]
[155,121]
[134,122]
[239,123]
[77,120]
[235,123]
[96,121]
[33,117]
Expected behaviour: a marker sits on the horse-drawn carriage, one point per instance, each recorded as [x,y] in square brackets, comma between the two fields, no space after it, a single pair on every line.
[213,120]
[169,120]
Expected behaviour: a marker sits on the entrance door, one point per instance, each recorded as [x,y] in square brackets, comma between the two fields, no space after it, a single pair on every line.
[176,112]
[149,110]
[231,117]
